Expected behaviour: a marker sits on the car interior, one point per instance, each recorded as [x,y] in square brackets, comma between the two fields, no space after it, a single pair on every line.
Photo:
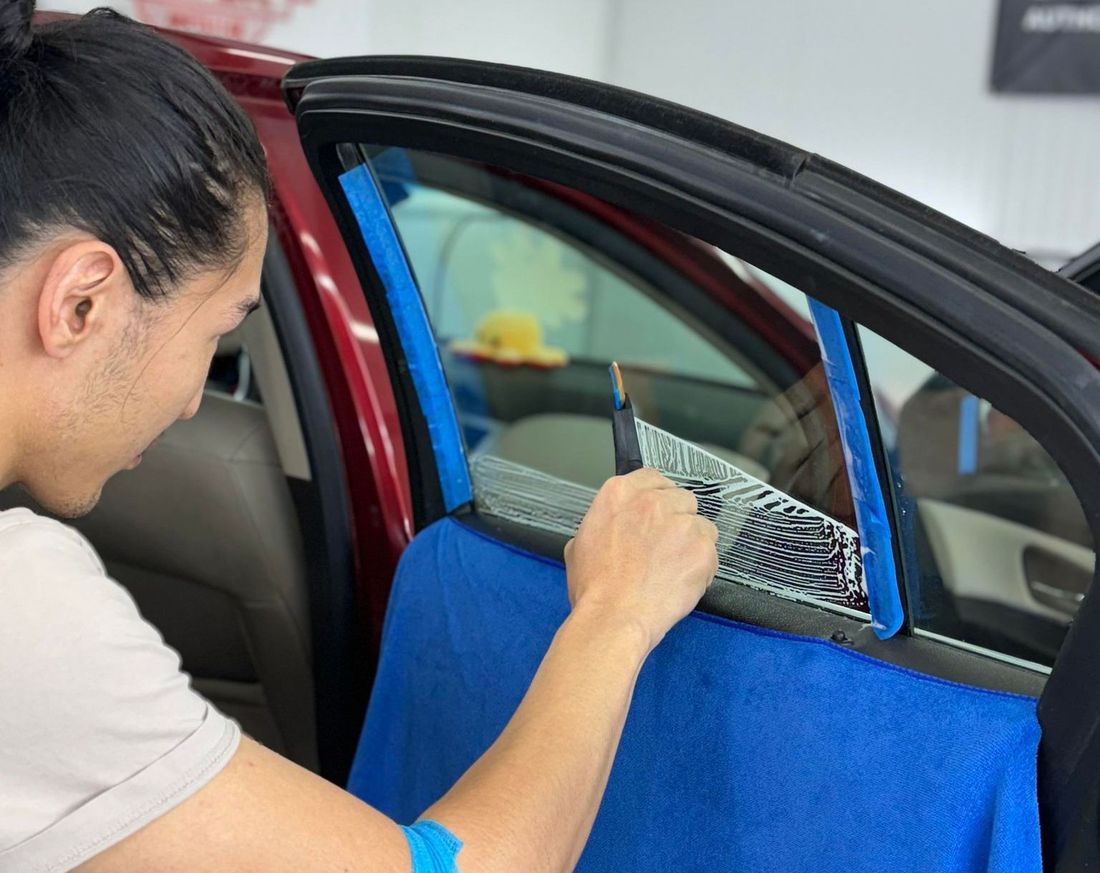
[1009,551]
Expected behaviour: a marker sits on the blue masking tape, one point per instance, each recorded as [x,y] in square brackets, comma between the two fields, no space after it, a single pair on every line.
[414,331]
[395,174]
[433,847]
[969,421]
[875,539]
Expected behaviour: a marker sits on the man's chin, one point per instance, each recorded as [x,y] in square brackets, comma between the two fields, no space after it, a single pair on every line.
[69,506]
[77,510]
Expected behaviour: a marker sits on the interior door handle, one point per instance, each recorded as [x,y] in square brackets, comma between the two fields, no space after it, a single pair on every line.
[1055,593]
[1073,580]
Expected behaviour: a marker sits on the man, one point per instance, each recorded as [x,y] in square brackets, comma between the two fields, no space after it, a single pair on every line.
[132,230]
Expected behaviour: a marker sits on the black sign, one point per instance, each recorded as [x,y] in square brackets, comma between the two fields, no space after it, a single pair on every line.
[1047,47]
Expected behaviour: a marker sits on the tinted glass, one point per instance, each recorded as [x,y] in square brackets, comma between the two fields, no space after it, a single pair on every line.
[998,550]
[532,290]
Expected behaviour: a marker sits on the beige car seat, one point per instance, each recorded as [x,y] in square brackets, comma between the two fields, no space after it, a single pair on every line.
[577,448]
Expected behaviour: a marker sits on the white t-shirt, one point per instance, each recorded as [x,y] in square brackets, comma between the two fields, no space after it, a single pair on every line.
[100,732]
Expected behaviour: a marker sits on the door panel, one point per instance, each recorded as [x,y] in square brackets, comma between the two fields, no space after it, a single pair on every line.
[987,562]
[995,324]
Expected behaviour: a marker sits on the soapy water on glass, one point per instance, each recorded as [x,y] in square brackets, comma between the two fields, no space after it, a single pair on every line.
[767,539]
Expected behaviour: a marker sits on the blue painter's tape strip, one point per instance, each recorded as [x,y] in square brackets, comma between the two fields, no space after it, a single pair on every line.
[414,331]
[969,420]
[395,174]
[875,538]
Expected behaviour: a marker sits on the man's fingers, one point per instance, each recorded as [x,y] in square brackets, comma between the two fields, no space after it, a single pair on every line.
[708,528]
[669,499]
[648,477]
[671,495]
[682,500]
[709,531]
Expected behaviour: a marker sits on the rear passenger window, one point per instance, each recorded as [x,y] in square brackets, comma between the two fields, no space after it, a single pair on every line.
[997,548]
[532,290]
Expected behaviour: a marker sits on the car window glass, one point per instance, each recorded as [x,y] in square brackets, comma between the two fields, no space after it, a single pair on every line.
[533,289]
[790,295]
[478,263]
[997,548]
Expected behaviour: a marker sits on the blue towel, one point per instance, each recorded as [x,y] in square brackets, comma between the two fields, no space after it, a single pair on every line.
[745,749]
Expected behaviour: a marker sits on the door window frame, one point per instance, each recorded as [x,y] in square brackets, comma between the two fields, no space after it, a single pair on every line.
[888,312]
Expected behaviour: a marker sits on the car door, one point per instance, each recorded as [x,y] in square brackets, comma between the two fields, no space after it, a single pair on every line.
[514,230]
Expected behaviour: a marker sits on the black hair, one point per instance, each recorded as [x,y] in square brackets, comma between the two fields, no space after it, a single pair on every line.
[108,128]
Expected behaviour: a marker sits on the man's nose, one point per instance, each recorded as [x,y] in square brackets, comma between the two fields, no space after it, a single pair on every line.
[192,407]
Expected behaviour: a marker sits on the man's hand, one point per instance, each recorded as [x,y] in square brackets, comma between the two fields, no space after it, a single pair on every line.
[642,553]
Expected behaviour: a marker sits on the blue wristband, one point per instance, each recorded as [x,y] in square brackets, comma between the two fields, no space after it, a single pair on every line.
[433,847]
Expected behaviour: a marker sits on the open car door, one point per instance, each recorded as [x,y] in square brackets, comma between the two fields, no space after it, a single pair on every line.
[883,409]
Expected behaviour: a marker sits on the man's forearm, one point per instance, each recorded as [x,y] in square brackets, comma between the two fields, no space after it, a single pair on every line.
[530,800]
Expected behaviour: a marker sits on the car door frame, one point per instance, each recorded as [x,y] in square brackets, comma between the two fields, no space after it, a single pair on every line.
[997,324]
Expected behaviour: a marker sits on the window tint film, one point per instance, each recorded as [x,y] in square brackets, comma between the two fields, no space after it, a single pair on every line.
[997,548]
[532,289]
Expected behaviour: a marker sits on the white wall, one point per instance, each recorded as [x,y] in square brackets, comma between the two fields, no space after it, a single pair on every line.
[894,89]
[564,35]
[568,36]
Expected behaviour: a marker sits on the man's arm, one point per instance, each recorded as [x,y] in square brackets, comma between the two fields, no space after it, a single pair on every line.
[640,562]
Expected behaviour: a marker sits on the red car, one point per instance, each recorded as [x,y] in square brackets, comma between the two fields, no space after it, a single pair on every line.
[549,225]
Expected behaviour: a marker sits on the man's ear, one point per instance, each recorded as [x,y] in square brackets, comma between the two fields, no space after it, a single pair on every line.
[85,286]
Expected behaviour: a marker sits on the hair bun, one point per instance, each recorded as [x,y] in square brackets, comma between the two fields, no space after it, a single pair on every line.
[15,28]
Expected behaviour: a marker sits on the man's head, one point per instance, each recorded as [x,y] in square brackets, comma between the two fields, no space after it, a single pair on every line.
[132,229]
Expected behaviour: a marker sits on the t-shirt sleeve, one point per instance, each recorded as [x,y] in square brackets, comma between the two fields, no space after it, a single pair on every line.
[100,731]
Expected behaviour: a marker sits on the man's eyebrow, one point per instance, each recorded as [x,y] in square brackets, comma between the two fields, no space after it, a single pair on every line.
[246,307]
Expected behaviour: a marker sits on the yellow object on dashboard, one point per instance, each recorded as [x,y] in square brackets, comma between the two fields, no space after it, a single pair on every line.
[510,338]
